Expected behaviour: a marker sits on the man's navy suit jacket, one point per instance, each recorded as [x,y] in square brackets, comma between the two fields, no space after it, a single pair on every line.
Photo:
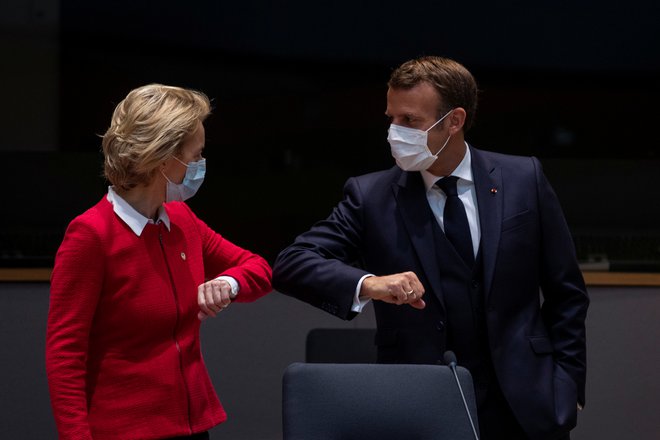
[384,226]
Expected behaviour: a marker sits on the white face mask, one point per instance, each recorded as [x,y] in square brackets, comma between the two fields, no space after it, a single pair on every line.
[178,192]
[410,146]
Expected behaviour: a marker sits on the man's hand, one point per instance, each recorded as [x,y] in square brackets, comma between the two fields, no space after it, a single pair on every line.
[400,288]
[213,297]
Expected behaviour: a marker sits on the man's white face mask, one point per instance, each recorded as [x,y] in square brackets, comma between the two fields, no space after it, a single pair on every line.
[410,146]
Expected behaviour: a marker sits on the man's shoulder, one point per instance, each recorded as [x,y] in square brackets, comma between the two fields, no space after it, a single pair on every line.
[380,178]
[490,159]
[372,184]
[494,155]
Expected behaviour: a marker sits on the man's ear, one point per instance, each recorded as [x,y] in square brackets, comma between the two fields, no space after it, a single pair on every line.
[456,120]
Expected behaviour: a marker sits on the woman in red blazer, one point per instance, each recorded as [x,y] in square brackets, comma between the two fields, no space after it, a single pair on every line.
[134,277]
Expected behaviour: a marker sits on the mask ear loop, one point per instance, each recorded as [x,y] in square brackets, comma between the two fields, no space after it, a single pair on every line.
[183,163]
[165,176]
[178,160]
[443,147]
[447,141]
[439,120]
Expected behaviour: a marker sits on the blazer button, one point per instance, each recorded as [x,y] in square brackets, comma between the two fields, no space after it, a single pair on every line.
[440,326]
[475,284]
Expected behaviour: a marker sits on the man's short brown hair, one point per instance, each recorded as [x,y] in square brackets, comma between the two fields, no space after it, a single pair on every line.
[453,82]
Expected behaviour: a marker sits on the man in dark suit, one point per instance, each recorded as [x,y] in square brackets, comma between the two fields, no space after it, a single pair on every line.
[468,240]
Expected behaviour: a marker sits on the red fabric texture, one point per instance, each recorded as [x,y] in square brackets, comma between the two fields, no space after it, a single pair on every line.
[123,354]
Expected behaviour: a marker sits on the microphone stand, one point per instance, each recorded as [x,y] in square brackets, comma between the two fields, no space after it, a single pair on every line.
[450,360]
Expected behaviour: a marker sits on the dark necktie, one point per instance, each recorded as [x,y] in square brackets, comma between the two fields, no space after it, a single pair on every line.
[457,228]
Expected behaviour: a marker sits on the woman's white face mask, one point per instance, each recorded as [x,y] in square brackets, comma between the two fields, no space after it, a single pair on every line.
[410,146]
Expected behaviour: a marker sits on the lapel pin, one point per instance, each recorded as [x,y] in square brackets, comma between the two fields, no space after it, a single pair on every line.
[183,256]
[493,191]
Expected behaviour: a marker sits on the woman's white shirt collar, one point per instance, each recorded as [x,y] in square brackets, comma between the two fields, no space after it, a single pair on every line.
[131,217]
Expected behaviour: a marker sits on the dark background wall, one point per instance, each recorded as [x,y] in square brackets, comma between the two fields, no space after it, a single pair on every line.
[299,95]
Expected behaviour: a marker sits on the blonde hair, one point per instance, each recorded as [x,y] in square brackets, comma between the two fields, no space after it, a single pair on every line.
[147,128]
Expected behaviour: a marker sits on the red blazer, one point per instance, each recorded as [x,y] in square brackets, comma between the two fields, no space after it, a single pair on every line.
[123,354]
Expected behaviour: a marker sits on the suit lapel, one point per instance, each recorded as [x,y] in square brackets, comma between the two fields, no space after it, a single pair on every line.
[417,216]
[488,189]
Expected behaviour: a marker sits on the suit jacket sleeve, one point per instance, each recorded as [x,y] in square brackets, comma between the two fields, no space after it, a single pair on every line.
[320,267]
[565,297]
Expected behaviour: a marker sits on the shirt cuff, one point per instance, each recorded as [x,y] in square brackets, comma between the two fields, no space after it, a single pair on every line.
[358,301]
[232,282]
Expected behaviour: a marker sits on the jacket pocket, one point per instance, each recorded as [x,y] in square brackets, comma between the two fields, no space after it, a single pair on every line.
[516,220]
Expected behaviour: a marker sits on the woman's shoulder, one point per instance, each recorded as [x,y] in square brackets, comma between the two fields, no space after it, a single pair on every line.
[98,217]
[91,229]
[101,208]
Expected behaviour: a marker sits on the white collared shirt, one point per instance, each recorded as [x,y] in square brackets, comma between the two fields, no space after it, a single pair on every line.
[137,222]
[129,215]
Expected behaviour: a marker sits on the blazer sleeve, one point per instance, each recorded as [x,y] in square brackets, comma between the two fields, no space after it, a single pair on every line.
[222,257]
[565,296]
[320,267]
[76,284]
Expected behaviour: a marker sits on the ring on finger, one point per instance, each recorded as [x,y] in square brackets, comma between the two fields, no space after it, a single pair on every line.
[410,292]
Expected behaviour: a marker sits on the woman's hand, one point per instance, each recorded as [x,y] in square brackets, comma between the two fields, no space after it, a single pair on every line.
[213,297]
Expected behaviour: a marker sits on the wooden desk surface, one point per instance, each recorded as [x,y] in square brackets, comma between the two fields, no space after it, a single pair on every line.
[25,274]
[591,278]
[621,279]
